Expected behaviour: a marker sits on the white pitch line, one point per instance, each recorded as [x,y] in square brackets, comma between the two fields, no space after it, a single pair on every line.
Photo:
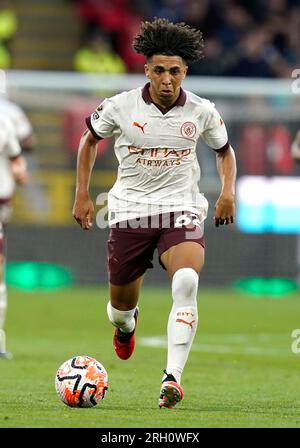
[161,342]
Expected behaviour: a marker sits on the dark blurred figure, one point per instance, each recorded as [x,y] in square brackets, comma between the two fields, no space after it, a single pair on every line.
[255,56]
[293,36]
[235,22]
[170,9]
[119,21]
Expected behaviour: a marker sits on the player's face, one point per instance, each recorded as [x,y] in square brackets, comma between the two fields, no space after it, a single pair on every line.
[166,74]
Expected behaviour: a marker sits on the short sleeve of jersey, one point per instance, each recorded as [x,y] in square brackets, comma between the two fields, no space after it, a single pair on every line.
[15,113]
[23,126]
[102,122]
[215,133]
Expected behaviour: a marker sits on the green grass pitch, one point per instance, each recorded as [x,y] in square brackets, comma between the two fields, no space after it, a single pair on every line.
[241,371]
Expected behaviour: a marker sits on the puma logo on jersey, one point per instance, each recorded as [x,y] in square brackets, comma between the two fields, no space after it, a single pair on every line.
[138,125]
[182,321]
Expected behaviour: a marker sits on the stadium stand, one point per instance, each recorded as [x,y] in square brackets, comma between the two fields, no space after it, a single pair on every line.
[258,38]
[242,38]
[47,37]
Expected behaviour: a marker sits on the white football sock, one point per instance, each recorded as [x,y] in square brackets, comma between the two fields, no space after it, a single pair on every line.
[183,320]
[124,320]
[3,306]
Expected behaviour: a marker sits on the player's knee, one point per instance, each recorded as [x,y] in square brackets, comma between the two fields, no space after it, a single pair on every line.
[185,285]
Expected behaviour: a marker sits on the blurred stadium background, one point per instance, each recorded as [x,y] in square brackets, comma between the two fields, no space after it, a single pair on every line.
[50,52]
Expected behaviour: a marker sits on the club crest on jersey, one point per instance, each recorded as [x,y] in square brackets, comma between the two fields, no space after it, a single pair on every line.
[188,129]
[96,116]
[138,125]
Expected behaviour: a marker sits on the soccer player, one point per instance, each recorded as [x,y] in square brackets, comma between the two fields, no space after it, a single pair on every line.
[23,127]
[16,126]
[12,169]
[155,201]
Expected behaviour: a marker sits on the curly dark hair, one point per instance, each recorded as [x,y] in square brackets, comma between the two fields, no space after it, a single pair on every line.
[171,39]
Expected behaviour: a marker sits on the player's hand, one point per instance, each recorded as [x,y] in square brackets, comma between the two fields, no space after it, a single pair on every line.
[19,170]
[83,211]
[296,148]
[224,210]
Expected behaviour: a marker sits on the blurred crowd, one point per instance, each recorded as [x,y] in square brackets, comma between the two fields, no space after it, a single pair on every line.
[255,39]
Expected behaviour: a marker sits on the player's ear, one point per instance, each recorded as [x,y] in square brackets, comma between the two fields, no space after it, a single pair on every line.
[185,71]
[146,68]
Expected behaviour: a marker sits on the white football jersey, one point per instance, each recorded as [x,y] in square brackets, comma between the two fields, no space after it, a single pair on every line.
[9,148]
[158,167]
[14,112]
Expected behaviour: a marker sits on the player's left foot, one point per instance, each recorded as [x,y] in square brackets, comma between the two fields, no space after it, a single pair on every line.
[171,392]
[6,355]
[124,343]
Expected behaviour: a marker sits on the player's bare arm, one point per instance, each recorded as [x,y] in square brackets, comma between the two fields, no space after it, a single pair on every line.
[19,169]
[296,148]
[83,208]
[225,205]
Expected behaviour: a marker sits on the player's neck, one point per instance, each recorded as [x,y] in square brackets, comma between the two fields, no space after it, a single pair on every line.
[166,103]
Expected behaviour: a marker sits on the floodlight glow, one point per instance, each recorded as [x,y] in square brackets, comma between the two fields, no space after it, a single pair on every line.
[33,275]
[266,287]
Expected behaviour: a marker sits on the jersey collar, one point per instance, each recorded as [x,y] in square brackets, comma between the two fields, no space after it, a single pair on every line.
[147,98]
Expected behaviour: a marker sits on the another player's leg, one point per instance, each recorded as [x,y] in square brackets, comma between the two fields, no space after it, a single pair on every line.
[3,301]
[122,312]
[3,306]
[183,262]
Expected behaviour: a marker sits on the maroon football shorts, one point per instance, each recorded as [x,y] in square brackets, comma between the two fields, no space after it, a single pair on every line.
[131,244]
